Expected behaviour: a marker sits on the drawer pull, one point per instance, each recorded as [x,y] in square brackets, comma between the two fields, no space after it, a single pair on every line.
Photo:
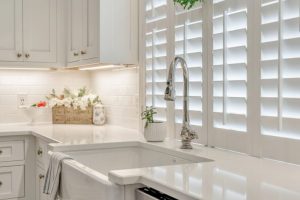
[1,184]
[76,54]
[83,52]
[41,176]
[19,55]
[1,152]
[40,152]
[27,55]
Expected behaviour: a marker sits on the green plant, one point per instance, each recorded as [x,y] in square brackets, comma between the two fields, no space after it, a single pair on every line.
[148,115]
[187,3]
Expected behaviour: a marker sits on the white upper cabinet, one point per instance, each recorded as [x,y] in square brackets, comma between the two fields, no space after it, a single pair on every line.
[11,30]
[82,30]
[28,31]
[119,31]
[39,20]
[52,33]
[103,32]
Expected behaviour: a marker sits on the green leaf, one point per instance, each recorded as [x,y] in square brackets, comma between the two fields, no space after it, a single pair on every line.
[187,4]
[148,115]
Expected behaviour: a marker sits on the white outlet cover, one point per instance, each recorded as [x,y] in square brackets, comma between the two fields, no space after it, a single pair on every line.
[22,100]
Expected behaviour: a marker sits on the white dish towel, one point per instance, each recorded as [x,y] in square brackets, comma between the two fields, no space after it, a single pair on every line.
[52,179]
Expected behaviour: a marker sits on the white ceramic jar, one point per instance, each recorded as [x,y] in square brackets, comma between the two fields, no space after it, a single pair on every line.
[99,115]
[155,132]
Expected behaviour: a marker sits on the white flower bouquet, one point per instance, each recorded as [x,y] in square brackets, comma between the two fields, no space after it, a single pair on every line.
[73,107]
[78,99]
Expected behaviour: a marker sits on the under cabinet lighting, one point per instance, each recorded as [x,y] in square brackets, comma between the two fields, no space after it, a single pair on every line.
[103,67]
[26,68]
[125,68]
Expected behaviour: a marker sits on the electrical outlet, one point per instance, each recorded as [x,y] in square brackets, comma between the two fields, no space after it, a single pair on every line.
[22,100]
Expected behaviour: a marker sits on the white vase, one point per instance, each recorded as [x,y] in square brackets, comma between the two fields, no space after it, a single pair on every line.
[155,132]
[99,115]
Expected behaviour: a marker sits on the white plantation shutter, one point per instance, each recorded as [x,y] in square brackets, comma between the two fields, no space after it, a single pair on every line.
[156,32]
[229,74]
[189,45]
[244,65]
[280,76]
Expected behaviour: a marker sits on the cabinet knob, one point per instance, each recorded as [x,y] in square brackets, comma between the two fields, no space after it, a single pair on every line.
[41,176]
[76,54]
[1,183]
[27,55]
[19,55]
[83,52]
[1,152]
[40,152]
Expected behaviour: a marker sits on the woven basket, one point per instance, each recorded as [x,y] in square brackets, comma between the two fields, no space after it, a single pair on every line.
[64,115]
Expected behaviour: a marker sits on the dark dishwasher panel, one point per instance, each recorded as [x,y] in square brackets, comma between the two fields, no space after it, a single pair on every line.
[146,193]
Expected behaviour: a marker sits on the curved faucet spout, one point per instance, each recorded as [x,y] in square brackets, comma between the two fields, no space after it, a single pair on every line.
[187,134]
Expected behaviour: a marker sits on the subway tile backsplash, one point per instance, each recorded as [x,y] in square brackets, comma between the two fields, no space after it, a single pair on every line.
[36,85]
[118,90]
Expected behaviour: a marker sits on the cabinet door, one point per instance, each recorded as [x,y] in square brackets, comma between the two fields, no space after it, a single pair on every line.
[119,31]
[12,182]
[11,30]
[75,26]
[40,179]
[40,32]
[90,29]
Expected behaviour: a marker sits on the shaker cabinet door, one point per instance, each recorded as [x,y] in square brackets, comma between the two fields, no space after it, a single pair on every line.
[40,179]
[90,29]
[119,31]
[11,30]
[40,30]
[83,30]
[75,27]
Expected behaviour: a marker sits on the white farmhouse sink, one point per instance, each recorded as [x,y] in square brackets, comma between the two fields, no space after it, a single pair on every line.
[86,176]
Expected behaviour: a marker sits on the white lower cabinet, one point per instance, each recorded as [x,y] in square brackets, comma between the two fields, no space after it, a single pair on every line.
[12,182]
[42,156]
[12,167]
[40,179]
[42,161]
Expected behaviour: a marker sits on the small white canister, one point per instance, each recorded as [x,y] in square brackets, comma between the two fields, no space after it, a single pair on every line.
[99,115]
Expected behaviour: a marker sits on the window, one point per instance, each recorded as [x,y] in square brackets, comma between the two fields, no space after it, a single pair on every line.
[244,64]
[230,65]
[280,68]
[280,79]
[188,45]
[156,36]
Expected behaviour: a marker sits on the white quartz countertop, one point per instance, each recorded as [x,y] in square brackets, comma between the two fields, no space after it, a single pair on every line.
[231,176]
[72,134]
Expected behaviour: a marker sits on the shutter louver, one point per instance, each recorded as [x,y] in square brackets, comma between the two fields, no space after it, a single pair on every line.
[280,70]
[156,55]
[230,65]
[188,45]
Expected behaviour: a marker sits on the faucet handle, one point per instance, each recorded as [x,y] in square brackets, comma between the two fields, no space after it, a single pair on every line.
[188,134]
[193,134]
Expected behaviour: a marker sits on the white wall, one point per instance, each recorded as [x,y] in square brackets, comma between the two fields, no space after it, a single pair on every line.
[37,84]
[119,92]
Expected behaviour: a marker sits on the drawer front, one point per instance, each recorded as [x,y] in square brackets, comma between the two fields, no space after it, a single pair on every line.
[12,151]
[11,182]
[42,156]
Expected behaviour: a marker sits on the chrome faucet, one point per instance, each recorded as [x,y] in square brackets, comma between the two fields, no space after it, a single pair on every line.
[187,134]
